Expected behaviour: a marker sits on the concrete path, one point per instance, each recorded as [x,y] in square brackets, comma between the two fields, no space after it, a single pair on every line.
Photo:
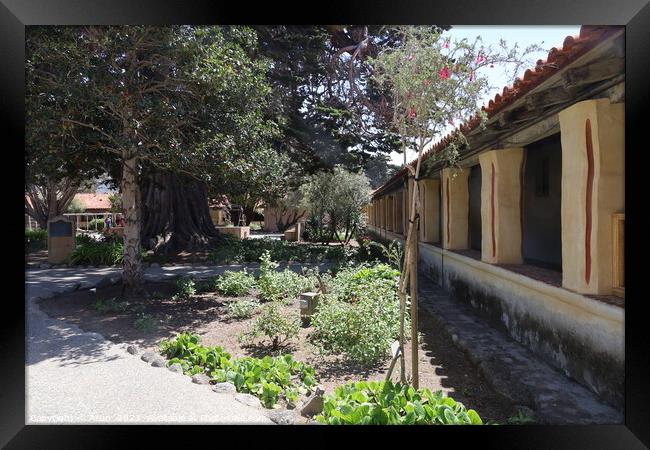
[77,377]
[511,369]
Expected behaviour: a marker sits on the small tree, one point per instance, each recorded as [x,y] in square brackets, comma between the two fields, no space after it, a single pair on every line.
[433,83]
[335,201]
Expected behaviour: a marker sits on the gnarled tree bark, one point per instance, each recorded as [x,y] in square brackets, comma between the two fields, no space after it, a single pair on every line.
[176,215]
[132,274]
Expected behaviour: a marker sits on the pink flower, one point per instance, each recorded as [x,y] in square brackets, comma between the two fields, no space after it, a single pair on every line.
[410,57]
[444,73]
[412,113]
[446,44]
[480,58]
[472,75]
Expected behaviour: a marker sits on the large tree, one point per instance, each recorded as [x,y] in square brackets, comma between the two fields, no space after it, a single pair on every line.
[56,163]
[151,97]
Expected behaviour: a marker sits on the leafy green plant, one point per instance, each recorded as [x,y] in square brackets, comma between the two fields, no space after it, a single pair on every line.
[99,223]
[268,377]
[193,357]
[243,309]
[388,403]
[275,325]
[185,288]
[110,306]
[35,240]
[352,283]
[235,283]
[274,286]
[82,239]
[98,253]
[359,317]
[233,251]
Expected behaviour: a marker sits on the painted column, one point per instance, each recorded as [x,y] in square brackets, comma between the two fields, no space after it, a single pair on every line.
[455,208]
[429,214]
[501,205]
[593,188]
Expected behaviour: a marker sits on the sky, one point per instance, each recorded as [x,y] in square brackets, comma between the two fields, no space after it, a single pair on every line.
[545,36]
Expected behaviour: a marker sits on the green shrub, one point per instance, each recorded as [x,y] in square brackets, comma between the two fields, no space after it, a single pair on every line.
[234,251]
[98,222]
[242,309]
[82,239]
[388,403]
[275,286]
[235,283]
[110,306]
[98,253]
[268,378]
[275,325]
[359,317]
[35,240]
[355,282]
[185,288]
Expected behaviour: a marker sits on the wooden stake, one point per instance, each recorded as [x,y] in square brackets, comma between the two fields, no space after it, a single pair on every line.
[414,310]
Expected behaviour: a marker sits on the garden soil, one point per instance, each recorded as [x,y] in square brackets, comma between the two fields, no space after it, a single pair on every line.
[442,365]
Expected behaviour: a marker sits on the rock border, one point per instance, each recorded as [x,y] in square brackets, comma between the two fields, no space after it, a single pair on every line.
[279,416]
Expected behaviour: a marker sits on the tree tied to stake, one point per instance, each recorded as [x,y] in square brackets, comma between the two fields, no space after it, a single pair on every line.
[434,84]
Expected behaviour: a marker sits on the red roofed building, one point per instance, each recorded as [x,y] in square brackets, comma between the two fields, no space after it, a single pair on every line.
[528,231]
[94,203]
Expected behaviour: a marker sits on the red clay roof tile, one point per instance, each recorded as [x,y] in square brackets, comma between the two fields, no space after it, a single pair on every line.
[572,49]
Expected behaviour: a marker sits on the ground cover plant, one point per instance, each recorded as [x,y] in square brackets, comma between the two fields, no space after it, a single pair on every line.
[388,403]
[267,378]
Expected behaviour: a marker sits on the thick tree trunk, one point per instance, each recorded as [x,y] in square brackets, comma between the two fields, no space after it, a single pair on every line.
[132,274]
[49,200]
[176,215]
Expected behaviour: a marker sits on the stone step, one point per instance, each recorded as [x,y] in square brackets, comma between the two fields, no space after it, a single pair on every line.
[512,370]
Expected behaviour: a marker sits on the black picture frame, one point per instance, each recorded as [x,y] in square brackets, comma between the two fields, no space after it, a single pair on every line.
[634,14]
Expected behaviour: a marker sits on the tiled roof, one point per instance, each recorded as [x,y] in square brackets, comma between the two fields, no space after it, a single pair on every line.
[572,48]
[94,201]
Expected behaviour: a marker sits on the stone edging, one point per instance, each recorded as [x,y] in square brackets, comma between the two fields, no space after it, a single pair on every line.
[277,416]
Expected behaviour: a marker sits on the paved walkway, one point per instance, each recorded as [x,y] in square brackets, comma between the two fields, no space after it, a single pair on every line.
[77,377]
[511,369]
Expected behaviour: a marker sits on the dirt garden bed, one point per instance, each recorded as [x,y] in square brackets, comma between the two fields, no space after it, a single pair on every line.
[146,322]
